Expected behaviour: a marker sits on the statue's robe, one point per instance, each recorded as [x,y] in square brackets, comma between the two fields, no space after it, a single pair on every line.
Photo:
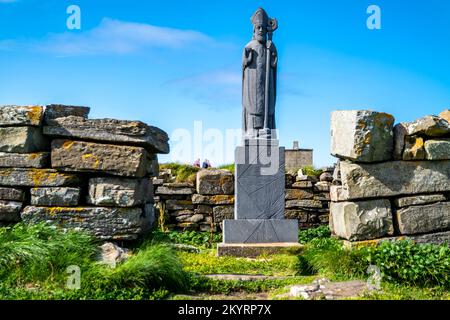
[254,87]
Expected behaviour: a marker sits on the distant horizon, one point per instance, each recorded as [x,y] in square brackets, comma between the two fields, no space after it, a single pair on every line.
[177,65]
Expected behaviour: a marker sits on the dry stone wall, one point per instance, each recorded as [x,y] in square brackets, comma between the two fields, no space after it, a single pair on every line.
[204,204]
[58,166]
[392,181]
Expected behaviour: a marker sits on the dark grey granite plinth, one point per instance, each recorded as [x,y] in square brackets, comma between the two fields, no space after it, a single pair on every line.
[260,231]
[260,197]
[260,180]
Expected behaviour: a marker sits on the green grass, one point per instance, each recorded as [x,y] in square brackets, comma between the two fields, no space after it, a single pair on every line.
[213,286]
[182,172]
[400,262]
[391,291]
[229,167]
[193,238]
[307,170]
[41,252]
[206,262]
[311,171]
[306,236]
[34,260]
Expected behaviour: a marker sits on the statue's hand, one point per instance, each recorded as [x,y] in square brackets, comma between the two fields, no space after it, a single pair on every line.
[247,57]
[269,44]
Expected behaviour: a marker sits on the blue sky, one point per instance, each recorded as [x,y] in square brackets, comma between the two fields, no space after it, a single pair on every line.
[171,63]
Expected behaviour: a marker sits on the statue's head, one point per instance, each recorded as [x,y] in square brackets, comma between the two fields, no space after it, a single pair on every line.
[260,21]
[262,24]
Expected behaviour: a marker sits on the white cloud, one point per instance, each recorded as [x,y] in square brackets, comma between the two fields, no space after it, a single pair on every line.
[218,77]
[114,37]
[218,89]
[223,88]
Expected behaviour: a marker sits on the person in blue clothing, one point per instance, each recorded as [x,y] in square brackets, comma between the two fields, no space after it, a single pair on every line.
[206,164]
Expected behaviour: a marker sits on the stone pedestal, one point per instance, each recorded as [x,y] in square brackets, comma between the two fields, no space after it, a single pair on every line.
[260,196]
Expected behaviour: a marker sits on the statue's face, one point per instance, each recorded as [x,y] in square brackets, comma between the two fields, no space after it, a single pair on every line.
[260,33]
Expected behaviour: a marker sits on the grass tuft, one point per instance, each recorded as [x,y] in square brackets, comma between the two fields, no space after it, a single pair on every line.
[182,172]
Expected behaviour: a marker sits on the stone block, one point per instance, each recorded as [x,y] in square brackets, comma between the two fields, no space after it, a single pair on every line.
[215,182]
[55,196]
[363,220]
[179,185]
[437,238]
[418,200]
[196,218]
[298,194]
[337,174]
[437,149]
[103,223]
[322,186]
[299,215]
[212,200]
[12,194]
[167,191]
[181,215]
[21,115]
[260,231]
[429,126]
[10,211]
[115,192]
[21,177]
[260,184]
[326,177]
[24,160]
[323,196]
[80,156]
[445,115]
[362,136]
[174,204]
[221,213]
[303,204]
[302,185]
[337,194]
[204,209]
[55,111]
[22,140]
[391,179]
[424,219]
[414,148]
[157,182]
[184,226]
[110,130]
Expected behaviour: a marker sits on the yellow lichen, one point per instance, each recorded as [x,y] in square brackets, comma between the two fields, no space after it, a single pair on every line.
[33,156]
[42,176]
[382,119]
[67,144]
[5,172]
[91,157]
[222,199]
[52,211]
[35,115]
